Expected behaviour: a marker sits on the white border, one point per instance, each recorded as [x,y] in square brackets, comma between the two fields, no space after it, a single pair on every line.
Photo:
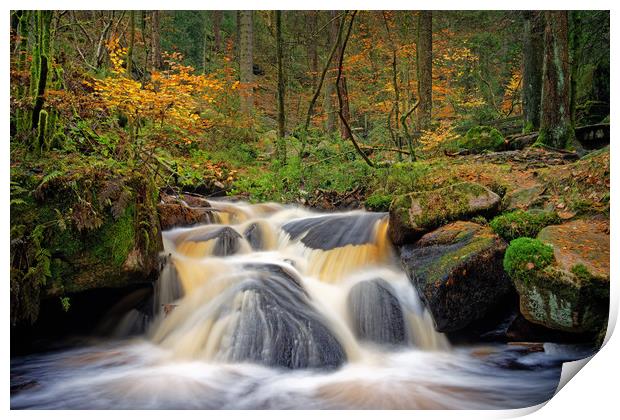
[592,395]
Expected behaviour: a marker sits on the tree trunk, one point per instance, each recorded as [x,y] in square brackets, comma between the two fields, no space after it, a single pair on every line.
[424,52]
[533,51]
[328,103]
[576,39]
[281,145]
[157,61]
[343,119]
[132,38]
[555,125]
[321,80]
[313,56]
[246,61]
[345,133]
[216,15]
[143,20]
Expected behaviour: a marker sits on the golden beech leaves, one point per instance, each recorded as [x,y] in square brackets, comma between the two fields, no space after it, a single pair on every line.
[175,96]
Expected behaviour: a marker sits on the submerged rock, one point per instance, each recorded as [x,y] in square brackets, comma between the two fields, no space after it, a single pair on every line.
[254,236]
[329,232]
[227,241]
[562,277]
[375,313]
[457,270]
[414,214]
[276,325]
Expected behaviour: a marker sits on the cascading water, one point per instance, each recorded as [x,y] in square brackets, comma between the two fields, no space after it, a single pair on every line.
[279,307]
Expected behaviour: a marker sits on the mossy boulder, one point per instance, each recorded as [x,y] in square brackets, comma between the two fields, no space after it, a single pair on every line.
[562,277]
[78,230]
[481,138]
[521,223]
[525,197]
[457,270]
[414,214]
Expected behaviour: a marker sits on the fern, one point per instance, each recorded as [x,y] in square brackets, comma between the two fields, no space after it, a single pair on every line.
[50,177]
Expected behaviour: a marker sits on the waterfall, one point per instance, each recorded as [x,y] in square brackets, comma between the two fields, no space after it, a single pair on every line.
[285,286]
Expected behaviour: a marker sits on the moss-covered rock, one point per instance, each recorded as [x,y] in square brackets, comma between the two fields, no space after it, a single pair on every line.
[563,277]
[481,138]
[78,230]
[457,270]
[414,214]
[378,202]
[521,223]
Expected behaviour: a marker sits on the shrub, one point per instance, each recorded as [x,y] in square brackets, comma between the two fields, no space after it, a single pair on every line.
[482,138]
[521,223]
[526,256]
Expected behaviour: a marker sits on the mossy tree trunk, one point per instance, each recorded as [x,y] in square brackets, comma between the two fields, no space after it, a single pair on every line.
[575,45]
[424,52]
[556,129]
[41,60]
[533,51]
[23,31]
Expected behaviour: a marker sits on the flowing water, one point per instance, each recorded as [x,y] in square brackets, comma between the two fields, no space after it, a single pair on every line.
[279,307]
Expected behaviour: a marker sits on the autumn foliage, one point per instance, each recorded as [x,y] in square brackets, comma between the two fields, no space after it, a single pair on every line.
[177,97]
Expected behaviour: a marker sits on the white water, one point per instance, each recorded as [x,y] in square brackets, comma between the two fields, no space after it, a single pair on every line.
[294,289]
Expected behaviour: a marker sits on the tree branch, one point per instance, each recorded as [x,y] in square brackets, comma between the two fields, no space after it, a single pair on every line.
[339,91]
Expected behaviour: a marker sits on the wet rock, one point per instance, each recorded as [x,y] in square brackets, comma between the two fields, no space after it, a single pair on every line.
[226,241]
[177,214]
[458,272]
[329,232]
[376,313]
[563,277]
[292,333]
[414,214]
[254,236]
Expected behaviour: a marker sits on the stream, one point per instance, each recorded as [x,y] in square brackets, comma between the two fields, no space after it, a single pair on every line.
[280,307]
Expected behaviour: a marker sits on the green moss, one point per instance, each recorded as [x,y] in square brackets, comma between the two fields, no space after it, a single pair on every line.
[521,223]
[378,202]
[528,128]
[525,256]
[447,204]
[581,272]
[115,239]
[481,138]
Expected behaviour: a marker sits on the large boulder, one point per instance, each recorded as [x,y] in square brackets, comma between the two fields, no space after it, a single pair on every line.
[414,214]
[562,277]
[457,270]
